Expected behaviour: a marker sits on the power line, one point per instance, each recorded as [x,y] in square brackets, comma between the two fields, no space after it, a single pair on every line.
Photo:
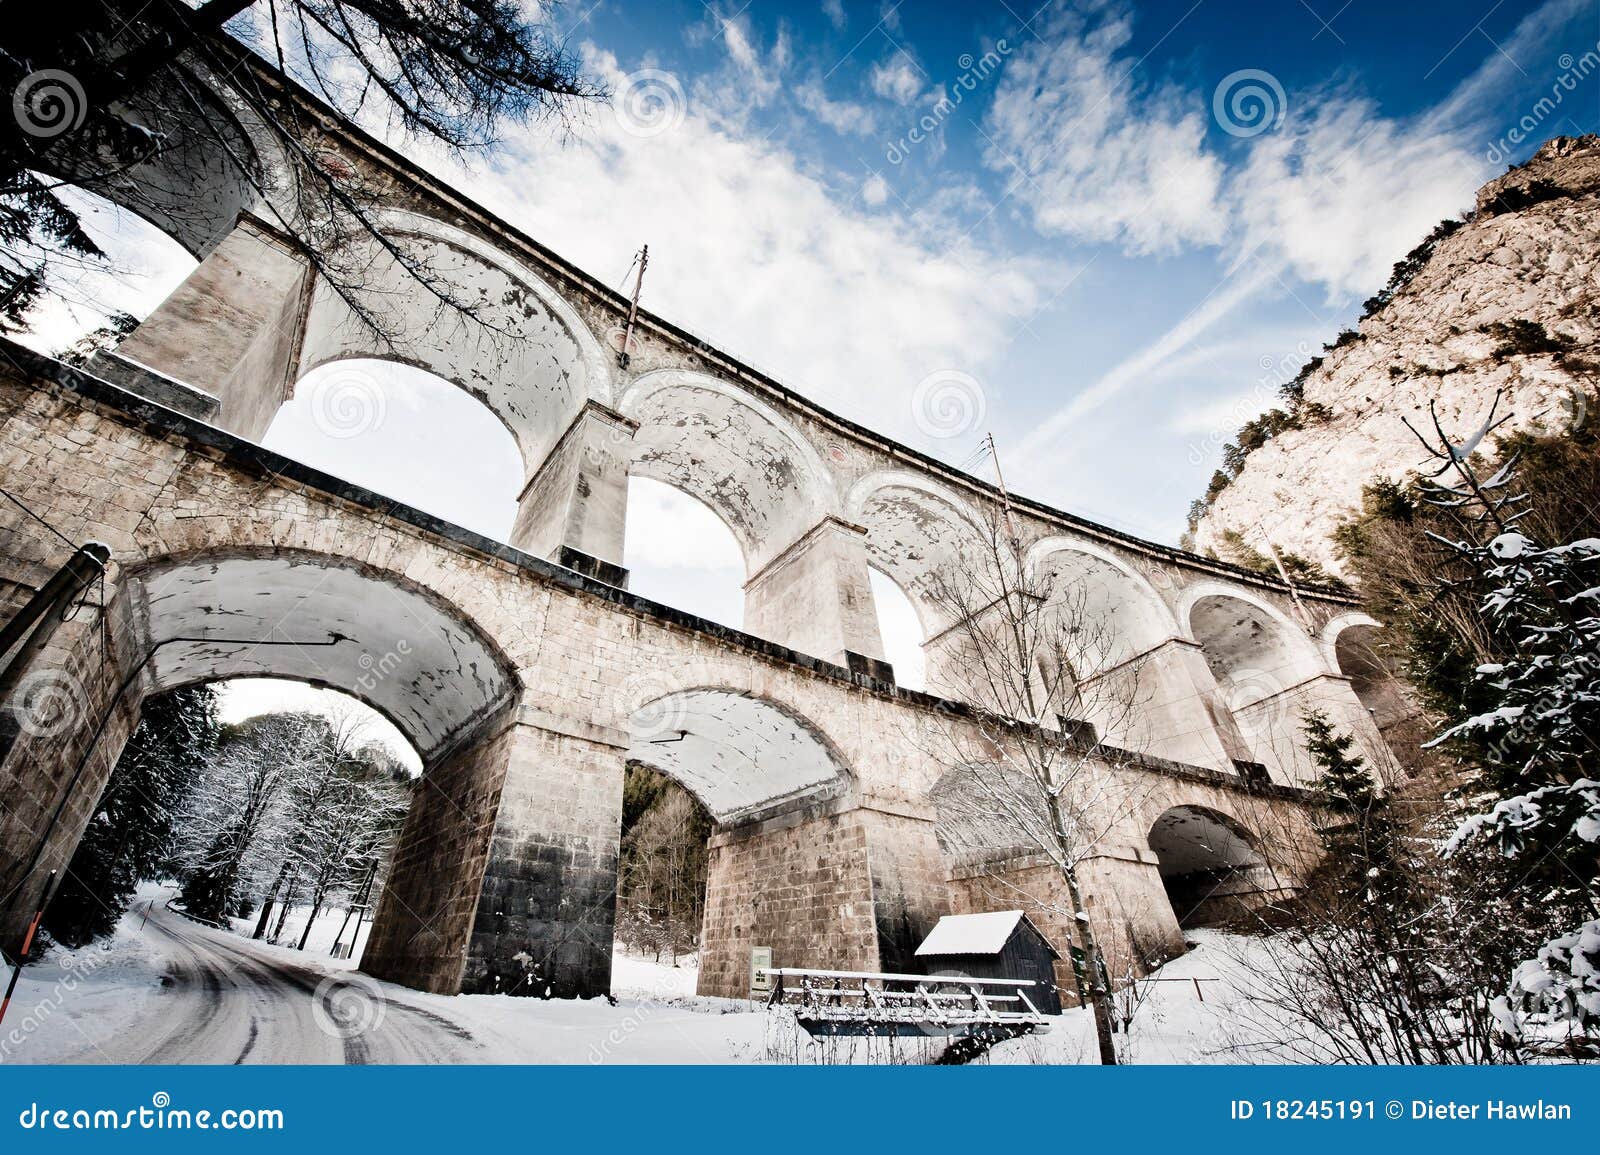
[20,504]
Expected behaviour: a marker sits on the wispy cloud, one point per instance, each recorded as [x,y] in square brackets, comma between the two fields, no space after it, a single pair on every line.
[1100,155]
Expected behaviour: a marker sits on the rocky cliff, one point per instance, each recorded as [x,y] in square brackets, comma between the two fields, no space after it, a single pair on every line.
[1507,300]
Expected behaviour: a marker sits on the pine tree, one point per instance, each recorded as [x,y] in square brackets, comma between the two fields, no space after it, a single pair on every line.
[1534,747]
[1362,842]
[130,834]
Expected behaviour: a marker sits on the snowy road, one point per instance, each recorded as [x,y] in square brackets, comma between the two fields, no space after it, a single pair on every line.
[234,1001]
[165,990]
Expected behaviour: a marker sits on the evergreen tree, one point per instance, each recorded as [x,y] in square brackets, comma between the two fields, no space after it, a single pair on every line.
[131,832]
[1534,746]
[1361,842]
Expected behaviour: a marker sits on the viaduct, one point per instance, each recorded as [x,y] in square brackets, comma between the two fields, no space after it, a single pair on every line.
[528,677]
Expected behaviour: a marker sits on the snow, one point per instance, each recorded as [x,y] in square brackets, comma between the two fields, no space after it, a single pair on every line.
[70,996]
[322,931]
[970,933]
[108,1002]
[1174,1022]
[643,977]
[1509,545]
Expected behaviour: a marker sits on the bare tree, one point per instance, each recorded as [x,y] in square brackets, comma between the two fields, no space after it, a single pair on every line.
[1038,669]
[232,809]
[662,875]
[102,92]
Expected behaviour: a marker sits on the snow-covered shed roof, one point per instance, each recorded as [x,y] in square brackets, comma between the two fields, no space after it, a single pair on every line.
[971,933]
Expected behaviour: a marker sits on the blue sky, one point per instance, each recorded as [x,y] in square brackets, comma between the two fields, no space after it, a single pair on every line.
[1080,237]
[1095,252]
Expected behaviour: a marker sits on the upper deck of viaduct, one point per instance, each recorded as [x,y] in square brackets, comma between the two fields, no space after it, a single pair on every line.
[812,499]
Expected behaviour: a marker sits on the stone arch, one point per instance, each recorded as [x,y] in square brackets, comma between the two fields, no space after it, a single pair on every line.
[913,525]
[732,452]
[214,165]
[1353,644]
[740,754]
[396,646]
[1109,590]
[1250,645]
[1210,865]
[1268,672]
[531,360]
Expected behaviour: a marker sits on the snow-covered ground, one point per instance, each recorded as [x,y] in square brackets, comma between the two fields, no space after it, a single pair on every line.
[163,989]
[1176,1019]
[323,930]
[639,977]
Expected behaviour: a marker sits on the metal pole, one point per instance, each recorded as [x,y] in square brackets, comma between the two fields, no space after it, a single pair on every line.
[1005,495]
[27,945]
[60,591]
[633,308]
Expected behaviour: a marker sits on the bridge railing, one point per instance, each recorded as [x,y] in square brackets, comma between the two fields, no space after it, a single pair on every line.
[874,1003]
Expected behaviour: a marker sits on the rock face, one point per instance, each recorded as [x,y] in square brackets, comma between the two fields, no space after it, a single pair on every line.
[1509,301]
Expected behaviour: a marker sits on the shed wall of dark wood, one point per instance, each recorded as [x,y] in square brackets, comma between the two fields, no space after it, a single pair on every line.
[1026,955]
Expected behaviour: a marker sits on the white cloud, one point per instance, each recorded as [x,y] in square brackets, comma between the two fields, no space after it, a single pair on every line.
[1037,449]
[849,306]
[842,116]
[1096,157]
[875,190]
[1338,194]
[897,79]
[834,11]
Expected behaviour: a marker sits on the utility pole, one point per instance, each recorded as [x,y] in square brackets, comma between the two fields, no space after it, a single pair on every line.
[1005,496]
[1300,606]
[642,260]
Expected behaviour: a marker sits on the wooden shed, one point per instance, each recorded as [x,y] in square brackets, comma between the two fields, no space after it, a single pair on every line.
[1001,944]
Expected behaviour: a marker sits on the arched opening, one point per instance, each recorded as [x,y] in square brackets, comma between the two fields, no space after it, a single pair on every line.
[920,536]
[732,453]
[239,699]
[680,553]
[262,807]
[704,763]
[320,620]
[1109,622]
[468,313]
[661,886]
[1366,657]
[1209,867]
[407,434]
[1261,663]
[1370,663]
[916,534]
[336,777]
[741,756]
[901,630]
[213,160]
